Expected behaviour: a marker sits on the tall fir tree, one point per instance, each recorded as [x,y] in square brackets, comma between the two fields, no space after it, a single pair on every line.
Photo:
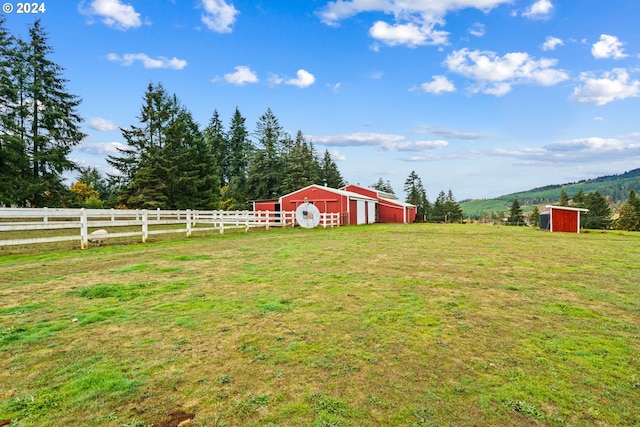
[40,123]
[516,217]
[167,163]
[452,209]
[301,166]
[218,144]
[599,215]
[235,192]
[416,195]
[438,212]
[329,173]
[266,170]
[381,185]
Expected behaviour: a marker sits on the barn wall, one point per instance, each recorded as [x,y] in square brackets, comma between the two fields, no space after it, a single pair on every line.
[563,220]
[265,205]
[325,201]
[390,214]
[412,213]
[364,191]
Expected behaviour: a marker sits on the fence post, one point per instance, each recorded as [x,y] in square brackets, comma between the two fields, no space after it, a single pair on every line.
[113,216]
[84,230]
[46,216]
[188,222]
[158,214]
[145,225]
[268,219]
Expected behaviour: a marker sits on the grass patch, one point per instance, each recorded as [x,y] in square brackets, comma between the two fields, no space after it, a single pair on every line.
[418,325]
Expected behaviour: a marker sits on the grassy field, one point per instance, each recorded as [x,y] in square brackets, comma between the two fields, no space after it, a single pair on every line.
[418,325]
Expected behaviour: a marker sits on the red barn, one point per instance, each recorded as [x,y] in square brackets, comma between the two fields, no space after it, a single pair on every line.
[564,219]
[353,208]
[390,210]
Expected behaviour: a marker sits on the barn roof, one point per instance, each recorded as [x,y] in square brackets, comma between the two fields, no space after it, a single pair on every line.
[397,202]
[349,194]
[567,208]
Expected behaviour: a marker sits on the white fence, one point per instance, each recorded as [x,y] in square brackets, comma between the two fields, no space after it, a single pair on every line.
[149,221]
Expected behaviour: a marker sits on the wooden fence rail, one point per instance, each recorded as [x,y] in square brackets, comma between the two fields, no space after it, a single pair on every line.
[38,219]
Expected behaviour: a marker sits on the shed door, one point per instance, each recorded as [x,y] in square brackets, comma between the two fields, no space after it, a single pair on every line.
[362,213]
[371,214]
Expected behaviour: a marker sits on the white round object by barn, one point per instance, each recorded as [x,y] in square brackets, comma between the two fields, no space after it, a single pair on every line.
[307,215]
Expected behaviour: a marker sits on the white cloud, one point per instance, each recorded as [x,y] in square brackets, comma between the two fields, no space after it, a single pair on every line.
[477,30]
[161,62]
[608,47]
[303,79]
[572,151]
[241,76]
[414,20]
[551,43]
[611,86]
[334,87]
[114,13]
[386,142]
[101,148]
[449,133]
[539,10]
[336,155]
[496,74]
[100,124]
[411,34]
[438,85]
[219,16]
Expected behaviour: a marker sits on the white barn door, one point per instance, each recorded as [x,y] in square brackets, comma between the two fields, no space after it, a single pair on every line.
[361,212]
[371,212]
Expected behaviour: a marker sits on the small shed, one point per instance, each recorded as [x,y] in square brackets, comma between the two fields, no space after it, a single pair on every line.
[563,219]
[353,208]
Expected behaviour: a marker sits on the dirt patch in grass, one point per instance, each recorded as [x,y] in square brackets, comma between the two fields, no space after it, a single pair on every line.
[176,419]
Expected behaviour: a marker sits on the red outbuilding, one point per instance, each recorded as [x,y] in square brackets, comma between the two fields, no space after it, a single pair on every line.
[564,219]
[390,209]
[353,208]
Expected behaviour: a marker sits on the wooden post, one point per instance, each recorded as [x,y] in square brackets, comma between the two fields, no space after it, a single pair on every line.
[268,219]
[46,216]
[145,226]
[84,230]
[188,222]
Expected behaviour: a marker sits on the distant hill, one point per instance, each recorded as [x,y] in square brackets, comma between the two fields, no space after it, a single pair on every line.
[616,187]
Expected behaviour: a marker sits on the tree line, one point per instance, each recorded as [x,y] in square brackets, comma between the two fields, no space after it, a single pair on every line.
[168,161]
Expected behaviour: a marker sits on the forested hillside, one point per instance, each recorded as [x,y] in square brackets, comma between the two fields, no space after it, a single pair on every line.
[615,188]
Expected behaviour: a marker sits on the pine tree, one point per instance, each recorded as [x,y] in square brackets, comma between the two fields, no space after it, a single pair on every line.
[416,195]
[452,209]
[381,185]
[266,170]
[629,218]
[599,215]
[564,198]
[329,173]
[534,217]
[40,124]
[218,143]
[515,214]
[300,165]
[14,162]
[235,192]
[439,212]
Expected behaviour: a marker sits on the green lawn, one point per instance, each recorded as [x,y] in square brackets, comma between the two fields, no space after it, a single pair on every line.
[384,325]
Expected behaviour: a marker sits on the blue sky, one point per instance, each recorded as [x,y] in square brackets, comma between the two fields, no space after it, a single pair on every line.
[483,97]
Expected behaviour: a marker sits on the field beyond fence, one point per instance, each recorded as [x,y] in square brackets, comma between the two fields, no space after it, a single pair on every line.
[378,325]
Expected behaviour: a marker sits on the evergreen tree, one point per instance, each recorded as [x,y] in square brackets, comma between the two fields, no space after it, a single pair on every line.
[329,173]
[266,170]
[452,209]
[439,210]
[629,218]
[40,124]
[579,198]
[534,218]
[167,164]
[634,200]
[515,214]
[381,185]
[91,177]
[599,215]
[564,198]
[235,193]
[14,162]
[219,147]
[300,165]
[416,195]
